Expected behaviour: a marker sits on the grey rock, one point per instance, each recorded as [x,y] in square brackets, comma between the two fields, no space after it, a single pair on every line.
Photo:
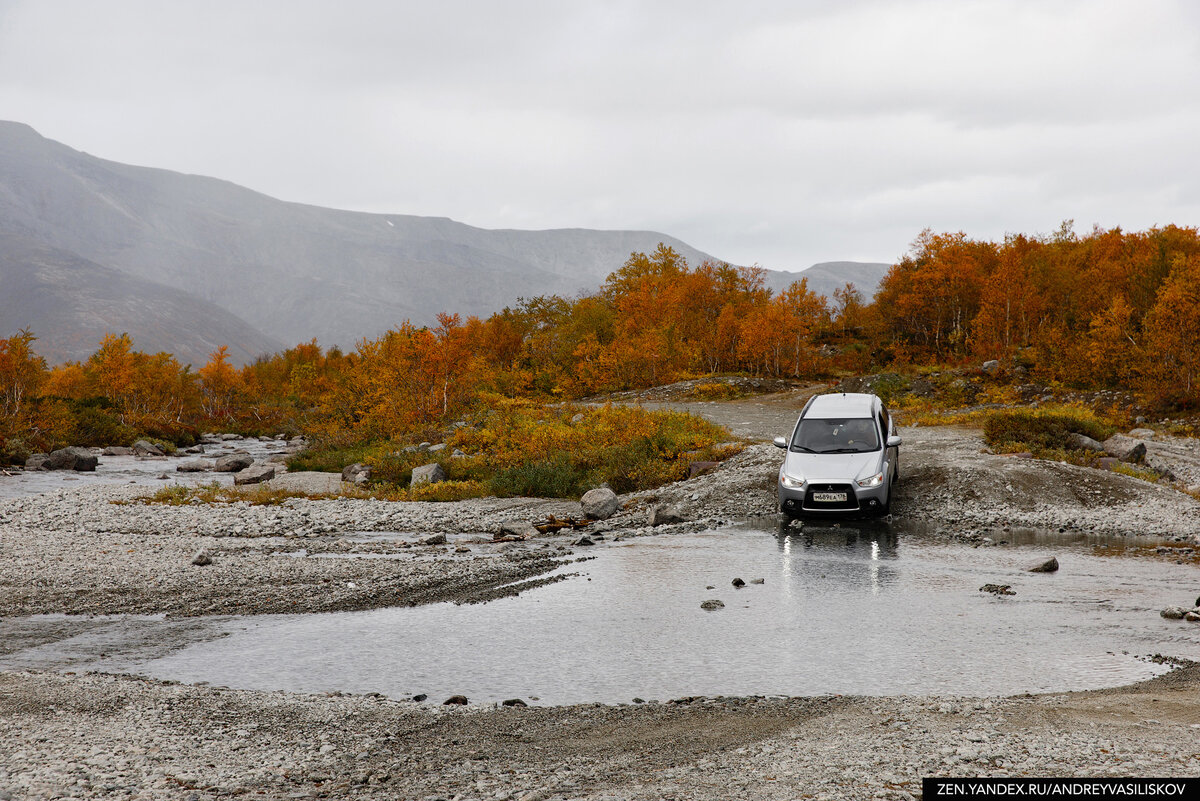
[1082,442]
[990,367]
[457,454]
[1127,449]
[424,446]
[37,461]
[737,582]
[1191,616]
[712,604]
[997,589]
[577,418]
[427,474]
[664,515]
[146,448]
[455,700]
[255,474]
[233,463]
[201,558]
[357,473]
[441,446]
[193,466]
[583,541]
[419,697]
[1141,433]
[230,437]
[518,528]
[80,459]
[513,702]
[1173,613]
[194,449]
[599,504]
[117,450]
[436,539]
[758,581]
[1048,566]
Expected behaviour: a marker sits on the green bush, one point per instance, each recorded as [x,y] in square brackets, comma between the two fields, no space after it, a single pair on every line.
[1041,431]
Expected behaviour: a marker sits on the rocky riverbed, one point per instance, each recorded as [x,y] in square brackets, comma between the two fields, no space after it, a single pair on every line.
[78,552]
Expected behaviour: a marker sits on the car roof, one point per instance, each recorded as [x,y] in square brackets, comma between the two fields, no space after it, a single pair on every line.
[842,404]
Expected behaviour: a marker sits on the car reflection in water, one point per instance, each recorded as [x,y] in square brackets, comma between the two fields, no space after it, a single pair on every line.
[847,556]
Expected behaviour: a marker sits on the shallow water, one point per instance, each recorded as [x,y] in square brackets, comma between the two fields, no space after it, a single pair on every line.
[849,609]
[133,470]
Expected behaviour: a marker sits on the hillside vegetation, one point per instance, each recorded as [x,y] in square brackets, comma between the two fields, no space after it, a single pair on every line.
[1106,310]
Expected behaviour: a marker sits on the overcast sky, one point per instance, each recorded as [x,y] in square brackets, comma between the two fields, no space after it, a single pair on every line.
[776,133]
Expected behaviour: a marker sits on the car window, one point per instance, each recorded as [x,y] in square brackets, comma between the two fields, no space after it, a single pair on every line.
[846,435]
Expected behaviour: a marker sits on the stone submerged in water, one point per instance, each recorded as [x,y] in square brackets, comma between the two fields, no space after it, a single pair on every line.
[455,700]
[1048,566]
[80,459]
[193,466]
[599,504]
[737,582]
[117,450]
[712,604]
[513,702]
[233,463]
[1173,613]
[998,589]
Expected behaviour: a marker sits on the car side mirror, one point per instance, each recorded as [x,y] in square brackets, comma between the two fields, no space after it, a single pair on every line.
[781,442]
[894,441]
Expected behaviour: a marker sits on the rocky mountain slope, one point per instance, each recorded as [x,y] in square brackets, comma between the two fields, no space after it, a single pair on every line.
[291,271]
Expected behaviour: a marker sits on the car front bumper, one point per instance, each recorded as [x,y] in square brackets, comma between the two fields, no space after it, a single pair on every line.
[858,499]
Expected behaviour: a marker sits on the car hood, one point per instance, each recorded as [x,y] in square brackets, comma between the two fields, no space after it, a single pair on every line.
[844,467]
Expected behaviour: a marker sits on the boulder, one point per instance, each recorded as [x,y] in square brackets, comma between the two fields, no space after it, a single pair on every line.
[192,466]
[664,515]
[427,474]
[255,474]
[1049,566]
[991,366]
[145,447]
[73,458]
[435,539]
[37,461]
[194,449]
[117,450]
[233,463]
[1082,442]
[737,582]
[1127,449]
[599,504]
[357,473]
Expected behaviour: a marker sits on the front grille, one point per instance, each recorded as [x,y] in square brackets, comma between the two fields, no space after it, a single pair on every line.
[851,501]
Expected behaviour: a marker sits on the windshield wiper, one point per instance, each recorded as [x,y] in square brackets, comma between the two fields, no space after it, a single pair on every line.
[845,450]
[803,449]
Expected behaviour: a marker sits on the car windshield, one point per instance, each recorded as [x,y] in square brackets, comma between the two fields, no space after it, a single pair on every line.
[847,435]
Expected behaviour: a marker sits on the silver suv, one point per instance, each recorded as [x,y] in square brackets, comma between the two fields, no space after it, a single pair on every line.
[843,457]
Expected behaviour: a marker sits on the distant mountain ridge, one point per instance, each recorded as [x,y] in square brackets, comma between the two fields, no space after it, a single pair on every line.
[287,272]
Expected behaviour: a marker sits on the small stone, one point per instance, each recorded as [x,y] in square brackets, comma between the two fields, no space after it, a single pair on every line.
[583,541]
[1192,616]
[998,589]
[255,474]
[758,581]
[513,702]
[664,515]
[1048,566]
[712,604]
[1173,613]
[419,697]
[639,700]
[455,700]
[193,466]
[201,558]
[427,474]
[436,539]
[737,582]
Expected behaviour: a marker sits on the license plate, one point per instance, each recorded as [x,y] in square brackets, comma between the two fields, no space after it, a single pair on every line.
[829,497]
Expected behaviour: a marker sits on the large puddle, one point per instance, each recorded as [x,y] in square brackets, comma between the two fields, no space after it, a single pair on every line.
[842,609]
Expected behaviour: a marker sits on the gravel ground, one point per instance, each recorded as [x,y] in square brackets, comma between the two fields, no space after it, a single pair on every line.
[103,736]
[96,736]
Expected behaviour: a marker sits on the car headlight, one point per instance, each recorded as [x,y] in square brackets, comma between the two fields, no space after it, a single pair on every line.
[873,481]
[791,482]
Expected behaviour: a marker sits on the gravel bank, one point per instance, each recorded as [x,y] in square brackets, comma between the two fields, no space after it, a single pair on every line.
[122,737]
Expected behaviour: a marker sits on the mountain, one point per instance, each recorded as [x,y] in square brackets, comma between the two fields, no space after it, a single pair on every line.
[827,276]
[291,270]
[70,303]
